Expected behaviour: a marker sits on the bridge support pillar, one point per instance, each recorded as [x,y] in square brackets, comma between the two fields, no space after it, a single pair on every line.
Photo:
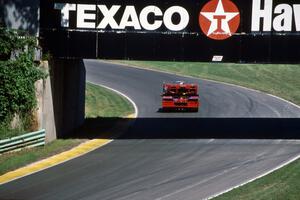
[68,87]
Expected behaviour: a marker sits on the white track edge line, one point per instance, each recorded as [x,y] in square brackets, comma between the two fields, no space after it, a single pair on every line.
[255,178]
[109,141]
[136,111]
[199,78]
[230,84]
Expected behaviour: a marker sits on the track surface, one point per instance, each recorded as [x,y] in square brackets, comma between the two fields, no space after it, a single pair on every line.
[148,163]
[218,100]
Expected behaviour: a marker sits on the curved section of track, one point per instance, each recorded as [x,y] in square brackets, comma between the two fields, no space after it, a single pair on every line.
[218,100]
[159,158]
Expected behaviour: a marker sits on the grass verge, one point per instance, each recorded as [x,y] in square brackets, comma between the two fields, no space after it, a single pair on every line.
[280,80]
[100,103]
[276,79]
[15,160]
[281,184]
[6,132]
[22,125]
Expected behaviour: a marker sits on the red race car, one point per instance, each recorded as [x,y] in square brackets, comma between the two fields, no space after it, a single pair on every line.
[180,96]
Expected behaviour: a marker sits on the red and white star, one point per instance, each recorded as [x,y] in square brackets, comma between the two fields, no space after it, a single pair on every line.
[219,20]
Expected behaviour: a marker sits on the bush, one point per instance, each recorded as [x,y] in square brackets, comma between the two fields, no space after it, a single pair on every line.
[17,77]
[11,40]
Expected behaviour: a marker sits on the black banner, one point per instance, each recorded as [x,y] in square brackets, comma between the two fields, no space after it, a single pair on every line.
[189,30]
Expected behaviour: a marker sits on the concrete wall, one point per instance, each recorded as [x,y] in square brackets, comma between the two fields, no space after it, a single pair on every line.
[44,113]
[68,86]
[67,92]
[48,122]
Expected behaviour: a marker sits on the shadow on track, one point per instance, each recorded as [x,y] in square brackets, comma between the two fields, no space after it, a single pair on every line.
[189,128]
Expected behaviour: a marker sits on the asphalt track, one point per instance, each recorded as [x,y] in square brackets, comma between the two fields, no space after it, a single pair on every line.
[172,155]
[218,100]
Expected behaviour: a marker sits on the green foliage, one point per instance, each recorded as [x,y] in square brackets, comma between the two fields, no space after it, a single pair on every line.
[101,102]
[11,40]
[17,76]
[17,92]
[7,44]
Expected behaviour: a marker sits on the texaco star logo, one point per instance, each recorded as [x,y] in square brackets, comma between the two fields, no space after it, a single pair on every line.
[219,19]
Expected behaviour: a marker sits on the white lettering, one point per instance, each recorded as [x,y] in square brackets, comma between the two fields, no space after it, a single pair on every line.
[108,17]
[82,16]
[265,14]
[130,18]
[88,15]
[144,18]
[283,22]
[64,8]
[297,16]
[184,18]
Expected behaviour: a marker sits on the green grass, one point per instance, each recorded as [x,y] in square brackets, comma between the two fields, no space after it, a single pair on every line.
[15,160]
[283,184]
[279,80]
[24,125]
[100,102]
[6,132]
[105,103]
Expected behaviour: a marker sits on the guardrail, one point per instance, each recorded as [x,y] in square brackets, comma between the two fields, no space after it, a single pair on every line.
[33,139]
